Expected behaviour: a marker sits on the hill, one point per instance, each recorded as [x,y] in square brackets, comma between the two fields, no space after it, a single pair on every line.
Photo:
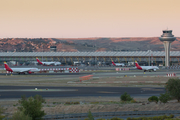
[84,44]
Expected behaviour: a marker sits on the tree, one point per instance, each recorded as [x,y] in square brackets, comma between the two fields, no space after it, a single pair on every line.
[126,97]
[153,99]
[173,88]
[32,106]
[90,116]
[164,97]
[39,98]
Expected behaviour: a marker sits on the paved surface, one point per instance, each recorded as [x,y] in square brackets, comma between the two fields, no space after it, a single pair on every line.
[137,73]
[18,91]
[123,117]
[110,74]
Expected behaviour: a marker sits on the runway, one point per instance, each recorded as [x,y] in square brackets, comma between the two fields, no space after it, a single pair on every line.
[105,74]
[9,92]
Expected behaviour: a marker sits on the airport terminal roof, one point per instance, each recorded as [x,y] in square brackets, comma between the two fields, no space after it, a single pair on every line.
[87,54]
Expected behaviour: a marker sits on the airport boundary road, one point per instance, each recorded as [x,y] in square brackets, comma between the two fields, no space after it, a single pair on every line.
[113,114]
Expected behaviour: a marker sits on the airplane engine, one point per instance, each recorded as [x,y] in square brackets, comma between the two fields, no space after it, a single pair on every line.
[154,70]
[29,72]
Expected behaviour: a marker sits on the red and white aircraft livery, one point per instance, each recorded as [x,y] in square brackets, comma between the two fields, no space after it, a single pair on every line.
[118,64]
[146,68]
[48,63]
[20,70]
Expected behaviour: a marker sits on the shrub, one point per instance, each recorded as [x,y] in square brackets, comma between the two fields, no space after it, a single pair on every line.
[67,103]
[76,102]
[126,97]
[71,103]
[20,116]
[164,117]
[171,116]
[133,101]
[101,119]
[164,97]
[115,118]
[1,111]
[153,99]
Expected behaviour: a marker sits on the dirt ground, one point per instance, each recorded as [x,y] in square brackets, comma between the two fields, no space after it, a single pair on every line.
[56,105]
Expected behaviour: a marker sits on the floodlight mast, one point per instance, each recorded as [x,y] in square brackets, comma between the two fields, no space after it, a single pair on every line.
[167,38]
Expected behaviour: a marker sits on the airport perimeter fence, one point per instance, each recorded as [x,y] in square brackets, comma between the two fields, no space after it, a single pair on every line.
[107,114]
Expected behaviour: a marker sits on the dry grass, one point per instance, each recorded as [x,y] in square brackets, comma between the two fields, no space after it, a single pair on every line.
[56,105]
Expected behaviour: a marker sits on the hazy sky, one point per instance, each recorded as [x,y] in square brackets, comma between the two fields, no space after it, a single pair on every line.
[88,18]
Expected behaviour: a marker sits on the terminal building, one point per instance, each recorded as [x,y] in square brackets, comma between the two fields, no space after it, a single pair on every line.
[149,57]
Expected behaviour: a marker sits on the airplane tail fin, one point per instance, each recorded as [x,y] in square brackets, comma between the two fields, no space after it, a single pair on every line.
[39,61]
[7,67]
[137,65]
[113,63]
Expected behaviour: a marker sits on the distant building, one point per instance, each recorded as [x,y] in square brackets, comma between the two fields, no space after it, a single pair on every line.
[52,48]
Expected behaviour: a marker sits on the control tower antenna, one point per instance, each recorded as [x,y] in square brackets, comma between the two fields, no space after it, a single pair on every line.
[167,38]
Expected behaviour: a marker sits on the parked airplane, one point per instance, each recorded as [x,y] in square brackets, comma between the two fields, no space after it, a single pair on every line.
[48,63]
[118,64]
[20,70]
[146,68]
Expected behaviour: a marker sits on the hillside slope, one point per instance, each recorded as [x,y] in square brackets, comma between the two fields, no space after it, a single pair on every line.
[84,44]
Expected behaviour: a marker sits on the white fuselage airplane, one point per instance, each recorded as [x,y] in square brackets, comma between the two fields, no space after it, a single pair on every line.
[146,68]
[118,64]
[20,70]
[48,63]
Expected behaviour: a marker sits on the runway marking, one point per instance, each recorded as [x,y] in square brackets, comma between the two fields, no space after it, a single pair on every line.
[152,89]
[38,90]
[106,92]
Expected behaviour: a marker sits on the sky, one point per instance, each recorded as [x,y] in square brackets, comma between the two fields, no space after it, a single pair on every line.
[88,18]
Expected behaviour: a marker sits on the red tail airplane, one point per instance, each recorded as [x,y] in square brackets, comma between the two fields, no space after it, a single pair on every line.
[48,63]
[20,70]
[146,68]
[118,64]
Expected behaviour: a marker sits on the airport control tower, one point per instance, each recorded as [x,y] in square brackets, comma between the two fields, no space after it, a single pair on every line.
[167,38]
